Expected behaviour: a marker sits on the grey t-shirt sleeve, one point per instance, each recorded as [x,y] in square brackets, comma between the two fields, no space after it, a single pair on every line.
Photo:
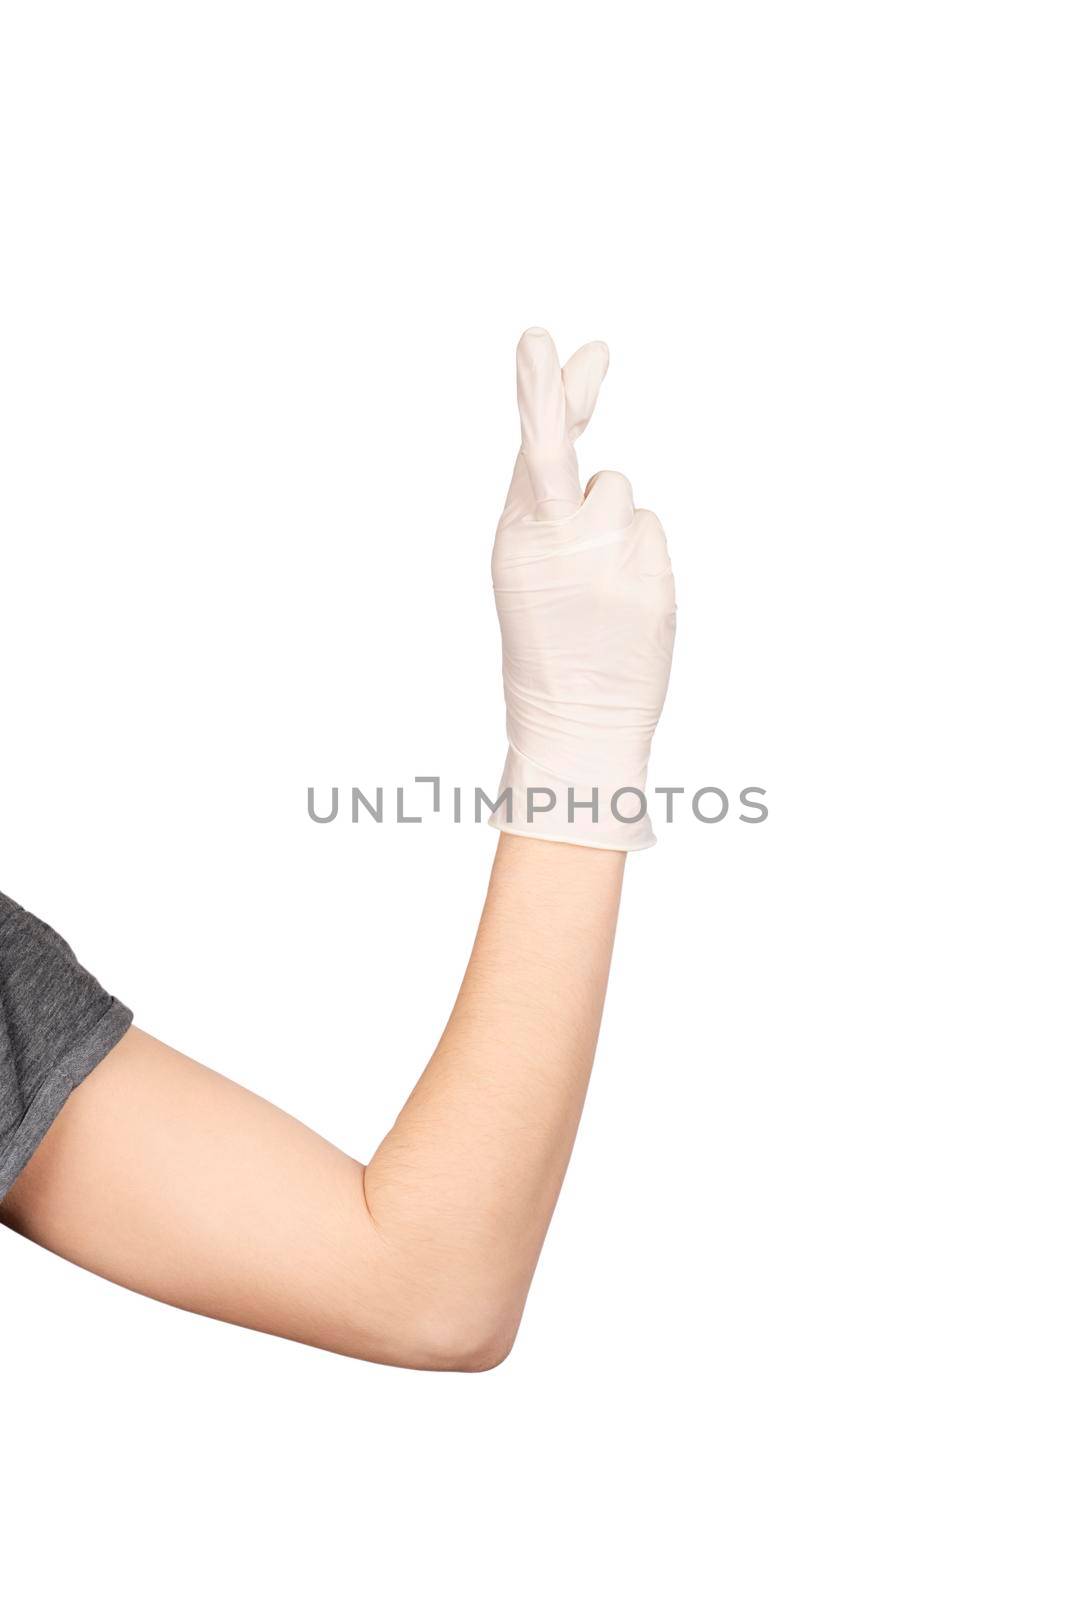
[56,1025]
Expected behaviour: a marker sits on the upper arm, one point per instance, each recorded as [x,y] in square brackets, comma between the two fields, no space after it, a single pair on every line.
[171,1180]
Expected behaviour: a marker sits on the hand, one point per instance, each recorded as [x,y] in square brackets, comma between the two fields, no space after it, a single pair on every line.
[585,598]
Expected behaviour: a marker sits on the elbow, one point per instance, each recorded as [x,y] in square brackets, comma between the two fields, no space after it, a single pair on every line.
[426,1310]
[474,1342]
[433,1345]
[471,1329]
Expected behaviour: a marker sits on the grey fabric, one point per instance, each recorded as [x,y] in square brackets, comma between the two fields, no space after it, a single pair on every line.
[56,1024]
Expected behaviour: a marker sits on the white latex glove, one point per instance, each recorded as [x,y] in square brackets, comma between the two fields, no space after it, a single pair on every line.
[585,597]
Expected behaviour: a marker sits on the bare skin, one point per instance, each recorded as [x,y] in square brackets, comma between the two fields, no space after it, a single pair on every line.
[173,1181]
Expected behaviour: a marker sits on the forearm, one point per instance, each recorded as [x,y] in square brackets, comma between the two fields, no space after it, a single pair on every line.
[466,1181]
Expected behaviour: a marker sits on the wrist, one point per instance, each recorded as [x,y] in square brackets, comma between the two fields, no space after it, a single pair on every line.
[608,814]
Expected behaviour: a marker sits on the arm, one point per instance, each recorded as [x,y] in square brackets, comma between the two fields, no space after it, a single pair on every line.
[165,1177]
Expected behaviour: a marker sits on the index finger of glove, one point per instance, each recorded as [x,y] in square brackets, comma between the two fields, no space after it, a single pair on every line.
[546,446]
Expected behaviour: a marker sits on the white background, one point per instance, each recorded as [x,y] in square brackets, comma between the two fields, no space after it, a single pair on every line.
[799,1326]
